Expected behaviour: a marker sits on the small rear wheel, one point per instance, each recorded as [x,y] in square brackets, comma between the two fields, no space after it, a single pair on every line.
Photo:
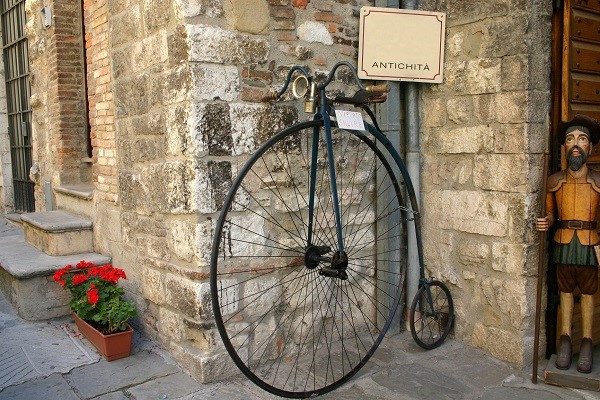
[431,315]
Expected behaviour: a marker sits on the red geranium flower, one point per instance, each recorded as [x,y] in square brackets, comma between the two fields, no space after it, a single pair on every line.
[93,296]
[79,278]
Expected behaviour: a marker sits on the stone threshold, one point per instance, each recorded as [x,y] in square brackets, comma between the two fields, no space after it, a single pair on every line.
[81,190]
[56,221]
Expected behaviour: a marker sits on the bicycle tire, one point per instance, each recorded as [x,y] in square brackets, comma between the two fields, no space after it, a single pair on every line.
[430,327]
[291,331]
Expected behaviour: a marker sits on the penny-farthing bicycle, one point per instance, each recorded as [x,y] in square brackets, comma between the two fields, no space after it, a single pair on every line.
[308,261]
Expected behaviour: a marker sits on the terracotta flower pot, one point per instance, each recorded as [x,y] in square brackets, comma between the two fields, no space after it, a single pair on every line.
[113,346]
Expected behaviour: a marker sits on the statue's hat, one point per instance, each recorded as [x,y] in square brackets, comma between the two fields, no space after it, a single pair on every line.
[589,125]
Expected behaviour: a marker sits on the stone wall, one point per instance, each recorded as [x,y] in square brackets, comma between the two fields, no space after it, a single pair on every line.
[187,78]
[483,134]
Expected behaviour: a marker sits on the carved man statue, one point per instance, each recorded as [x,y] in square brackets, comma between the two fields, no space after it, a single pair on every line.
[571,202]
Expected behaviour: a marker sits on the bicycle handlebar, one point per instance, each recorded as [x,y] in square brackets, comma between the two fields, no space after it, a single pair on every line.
[372,91]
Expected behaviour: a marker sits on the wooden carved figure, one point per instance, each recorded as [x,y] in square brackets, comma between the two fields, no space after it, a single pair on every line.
[572,198]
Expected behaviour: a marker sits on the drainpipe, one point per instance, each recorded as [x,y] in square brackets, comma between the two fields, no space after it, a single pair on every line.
[413,165]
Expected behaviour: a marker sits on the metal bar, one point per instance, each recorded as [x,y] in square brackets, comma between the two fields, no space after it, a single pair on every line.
[16,64]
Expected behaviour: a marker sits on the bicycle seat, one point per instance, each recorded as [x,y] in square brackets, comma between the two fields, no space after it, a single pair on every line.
[369,95]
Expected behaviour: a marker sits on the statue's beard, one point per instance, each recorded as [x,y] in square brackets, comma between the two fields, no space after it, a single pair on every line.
[576,162]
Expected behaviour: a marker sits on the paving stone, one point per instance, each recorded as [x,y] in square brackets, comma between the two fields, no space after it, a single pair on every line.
[421,383]
[502,393]
[106,377]
[171,386]
[39,350]
[118,395]
[52,387]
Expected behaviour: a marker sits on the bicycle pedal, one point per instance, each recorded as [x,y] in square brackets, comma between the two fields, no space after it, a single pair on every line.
[333,273]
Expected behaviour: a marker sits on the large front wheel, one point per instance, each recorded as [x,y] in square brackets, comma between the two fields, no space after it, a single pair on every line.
[298,314]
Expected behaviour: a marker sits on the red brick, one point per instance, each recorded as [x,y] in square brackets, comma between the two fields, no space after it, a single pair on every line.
[328,17]
[286,36]
[300,3]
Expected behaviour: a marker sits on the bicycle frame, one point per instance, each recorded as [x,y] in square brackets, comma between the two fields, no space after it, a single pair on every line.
[323,113]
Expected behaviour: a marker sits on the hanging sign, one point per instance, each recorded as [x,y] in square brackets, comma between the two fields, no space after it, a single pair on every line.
[401,45]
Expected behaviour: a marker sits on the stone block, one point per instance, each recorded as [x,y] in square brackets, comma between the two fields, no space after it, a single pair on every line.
[132,192]
[505,36]
[212,128]
[153,287]
[515,72]
[191,241]
[474,253]
[170,325]
[483,76]
[460,109]
[131,96]
[500,343]
[217,45]
[149,51]
[210,8]
[511,258]
[467,139]
[253,124]
[502,172]
[180,121]
[157,14]
[178,187]
[189,297]
[508,298]
[250,16]
[311,31]
[125,27]
[57,233]
[469,11]
[204,366]
[511,107]
[169,87]
[484,213]
[436,115]
[215,82]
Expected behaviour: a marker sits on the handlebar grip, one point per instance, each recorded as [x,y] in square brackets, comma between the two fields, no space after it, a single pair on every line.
[383,88]
[269,97]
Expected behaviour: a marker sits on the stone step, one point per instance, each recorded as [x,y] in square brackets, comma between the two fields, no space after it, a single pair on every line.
[26,277]
[58,233]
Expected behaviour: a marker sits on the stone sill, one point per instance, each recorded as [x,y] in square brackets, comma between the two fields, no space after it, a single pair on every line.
[82,190]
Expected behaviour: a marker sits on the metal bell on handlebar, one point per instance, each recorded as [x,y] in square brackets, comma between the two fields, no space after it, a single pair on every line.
[300,86]
[310,102]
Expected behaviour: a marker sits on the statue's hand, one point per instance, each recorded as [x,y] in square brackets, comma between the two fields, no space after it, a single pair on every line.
[542,224]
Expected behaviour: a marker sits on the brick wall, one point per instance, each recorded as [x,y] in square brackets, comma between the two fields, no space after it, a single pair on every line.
[59,121]
[100,98]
